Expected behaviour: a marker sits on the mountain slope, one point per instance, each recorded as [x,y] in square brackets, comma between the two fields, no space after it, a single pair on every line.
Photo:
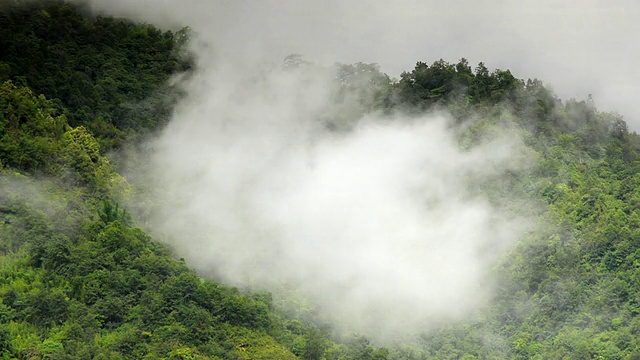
[81,280]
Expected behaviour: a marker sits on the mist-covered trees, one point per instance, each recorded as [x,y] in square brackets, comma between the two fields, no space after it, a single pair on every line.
[569,290]
[79,279]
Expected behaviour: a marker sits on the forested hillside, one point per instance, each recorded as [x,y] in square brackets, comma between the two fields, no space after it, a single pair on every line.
[80,279]
[570,290]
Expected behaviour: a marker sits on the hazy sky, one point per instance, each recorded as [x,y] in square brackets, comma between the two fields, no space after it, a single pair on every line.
[579,47]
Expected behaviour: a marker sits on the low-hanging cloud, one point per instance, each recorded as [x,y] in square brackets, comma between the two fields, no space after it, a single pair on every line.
[380,226]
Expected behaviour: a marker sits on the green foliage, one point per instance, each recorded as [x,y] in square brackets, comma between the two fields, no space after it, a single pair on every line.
[35,139]
[79,280]
[568,290]
[110,290]
[98,68]
[454,86]
[30,129]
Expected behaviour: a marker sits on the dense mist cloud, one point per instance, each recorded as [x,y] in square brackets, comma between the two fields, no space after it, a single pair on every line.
[579,48]
[378,225]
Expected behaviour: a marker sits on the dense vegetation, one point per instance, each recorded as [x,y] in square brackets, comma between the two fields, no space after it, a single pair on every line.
[80,280]
[569,291]
[106,74]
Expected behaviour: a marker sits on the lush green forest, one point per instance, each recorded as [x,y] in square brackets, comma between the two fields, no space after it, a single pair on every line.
[80,279]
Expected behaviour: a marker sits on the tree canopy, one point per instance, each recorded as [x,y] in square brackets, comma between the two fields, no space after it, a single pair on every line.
[80,279]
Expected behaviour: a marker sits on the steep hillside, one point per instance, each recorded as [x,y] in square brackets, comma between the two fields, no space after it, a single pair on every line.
[568,291]
[80,279]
